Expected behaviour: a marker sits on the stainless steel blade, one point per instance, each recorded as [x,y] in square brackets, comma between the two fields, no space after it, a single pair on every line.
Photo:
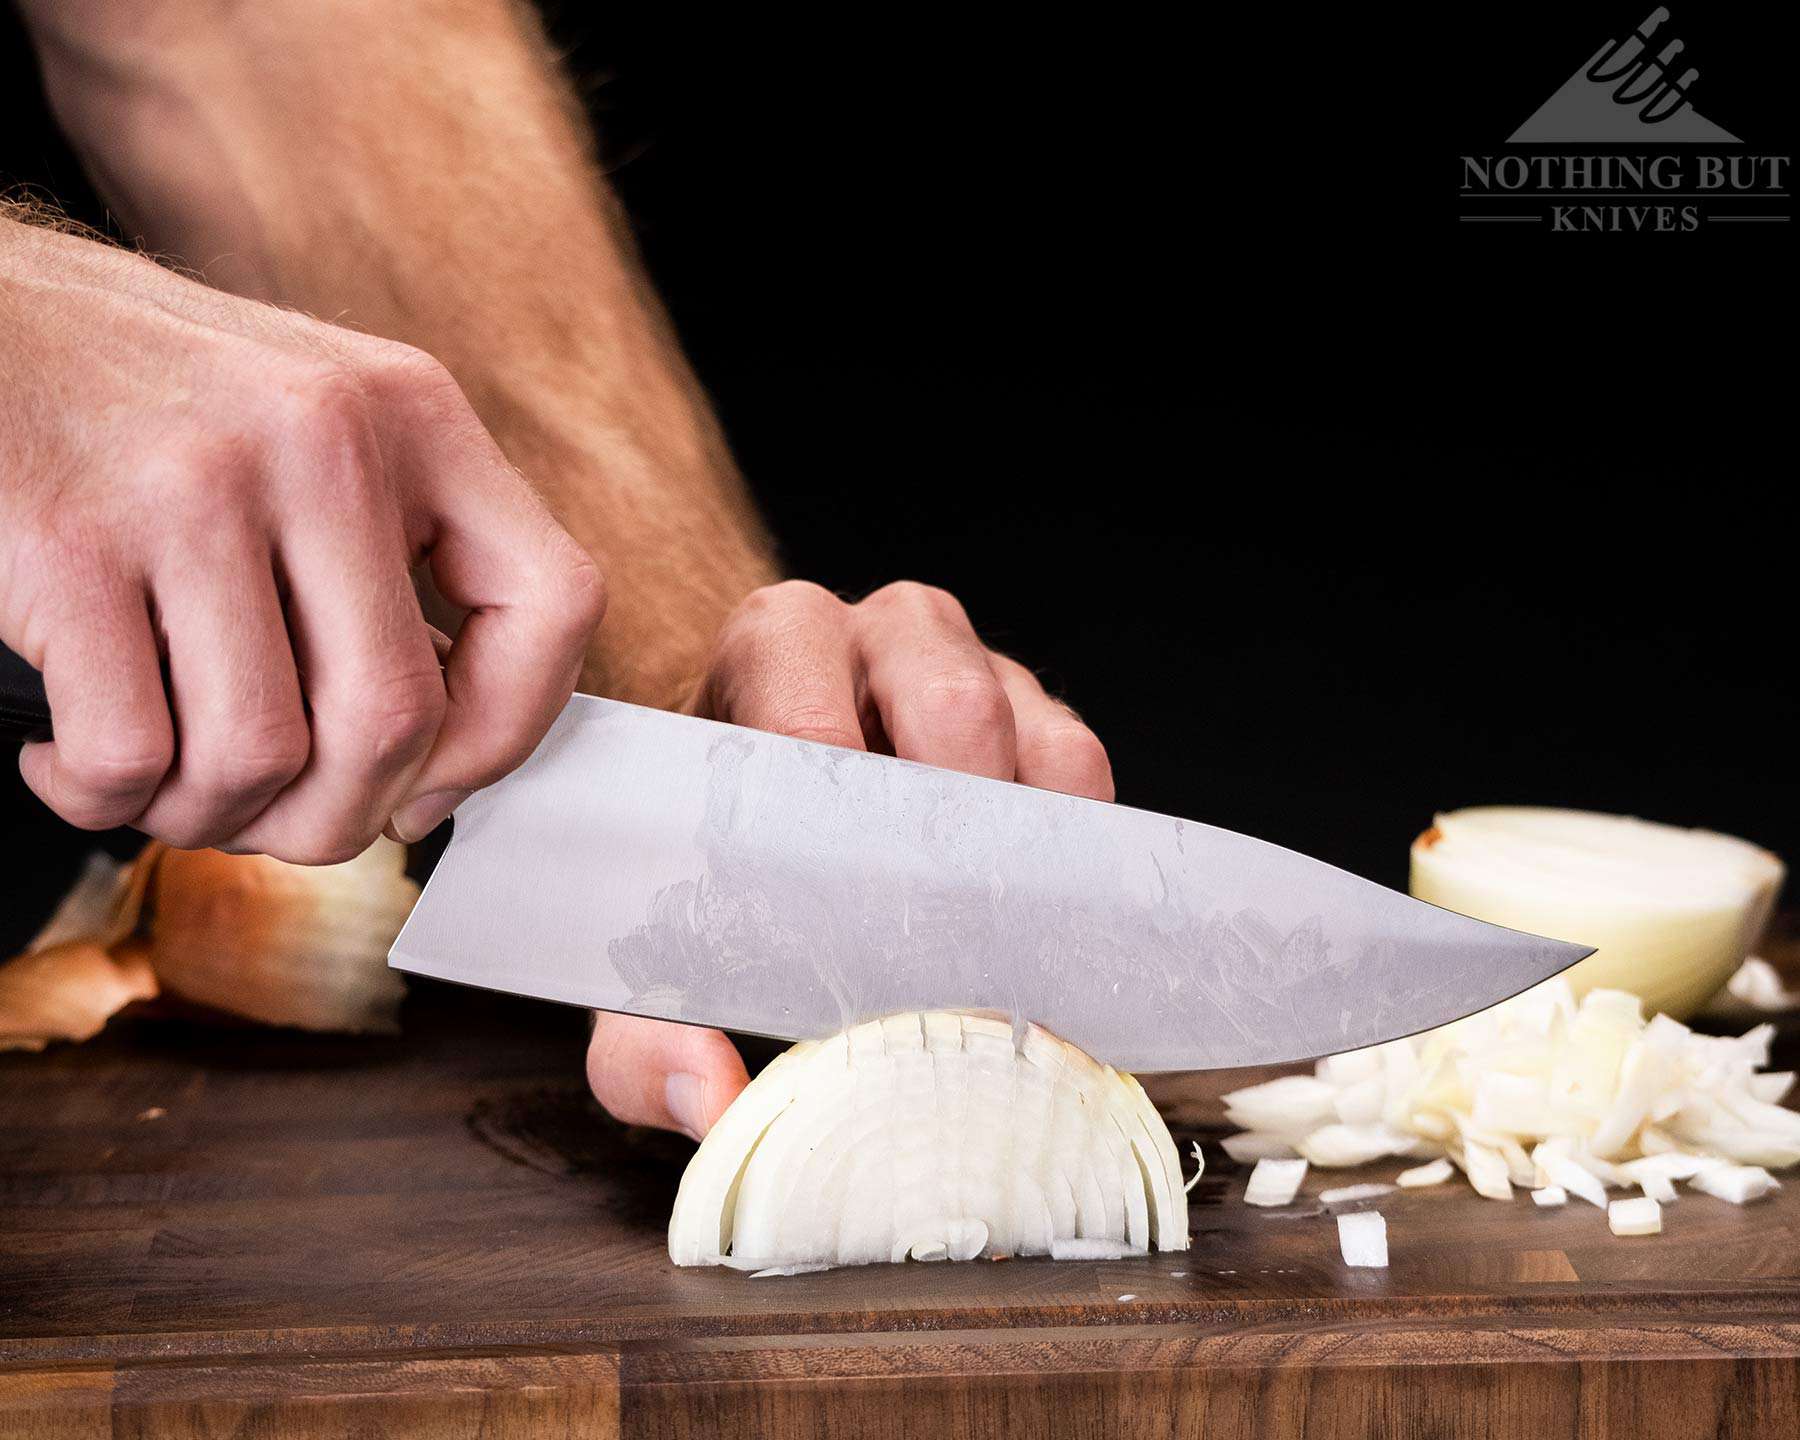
[674,867]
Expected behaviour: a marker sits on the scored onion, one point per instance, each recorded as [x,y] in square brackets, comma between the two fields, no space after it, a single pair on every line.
[934,1136]
[1671,913]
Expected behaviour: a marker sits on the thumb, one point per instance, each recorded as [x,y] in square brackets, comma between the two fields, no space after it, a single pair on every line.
[654,1072]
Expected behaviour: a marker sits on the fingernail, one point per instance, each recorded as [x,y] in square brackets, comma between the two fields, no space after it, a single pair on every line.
[685,1095]
[418,818]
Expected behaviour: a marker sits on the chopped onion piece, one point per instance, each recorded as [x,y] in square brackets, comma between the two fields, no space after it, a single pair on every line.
[1642,1216]
[1772,1086]
[1736,1183]
[1350,1067]
[1486,1171]
[1251,1146]
[1291,1105]
[1659,1188]
[1434,1173]
[1511,1103]
[1561,1169]
[1668,1165]
[1757,985]
[1199,1169]
[1550,1195]
[1274,1182]
[1345,1194]
[1339,1145]
[1360,1104]
[1362,1238]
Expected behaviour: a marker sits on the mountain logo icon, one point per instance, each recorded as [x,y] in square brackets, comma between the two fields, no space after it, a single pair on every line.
[1626,94]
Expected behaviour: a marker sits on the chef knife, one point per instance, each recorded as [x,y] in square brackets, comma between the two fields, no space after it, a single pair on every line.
[680,868]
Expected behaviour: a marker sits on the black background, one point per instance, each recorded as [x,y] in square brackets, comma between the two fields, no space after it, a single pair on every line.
[1158,340]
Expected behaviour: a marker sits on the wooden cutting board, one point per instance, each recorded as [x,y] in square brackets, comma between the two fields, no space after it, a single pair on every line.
[239,1232]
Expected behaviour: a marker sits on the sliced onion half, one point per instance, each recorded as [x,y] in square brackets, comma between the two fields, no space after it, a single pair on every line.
[931,1136]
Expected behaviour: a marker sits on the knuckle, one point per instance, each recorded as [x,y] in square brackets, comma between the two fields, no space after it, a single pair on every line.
[263,757]
[1074,753]
[578,592]
[416,375]
[769,614]
[965,699]
[789,597]
[120,776]
[322,396]
[404,720]
[323,416]
[819,723]
[192,486]
[915,595]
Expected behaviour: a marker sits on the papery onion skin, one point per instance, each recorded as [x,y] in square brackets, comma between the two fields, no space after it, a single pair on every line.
[82,968]
[283,944]
[1671,913]
[68,992]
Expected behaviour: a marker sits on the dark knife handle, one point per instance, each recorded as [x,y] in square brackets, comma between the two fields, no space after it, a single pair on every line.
[24,708]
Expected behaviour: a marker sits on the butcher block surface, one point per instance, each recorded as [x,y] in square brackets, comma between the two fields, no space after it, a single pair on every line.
[242,1232]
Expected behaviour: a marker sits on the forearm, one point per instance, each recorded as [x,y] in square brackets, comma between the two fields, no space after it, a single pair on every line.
[418,170]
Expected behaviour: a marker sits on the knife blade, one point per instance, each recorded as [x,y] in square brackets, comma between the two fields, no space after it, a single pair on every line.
[689,870]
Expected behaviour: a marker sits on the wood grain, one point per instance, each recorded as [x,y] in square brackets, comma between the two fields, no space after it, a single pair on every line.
[256,1233]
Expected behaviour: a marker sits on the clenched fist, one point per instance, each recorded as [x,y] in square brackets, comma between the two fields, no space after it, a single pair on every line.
[209,513]
[902,672]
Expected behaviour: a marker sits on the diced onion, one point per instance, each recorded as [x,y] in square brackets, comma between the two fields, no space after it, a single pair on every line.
[1756,986]
[1546,1093]
[1274,1182]
[1486,1171]
[1736,1183]
[1435,1172]
[1550,1195]
[1347,1194]
[1642,1216]
[1362,1239]
[1250,1147]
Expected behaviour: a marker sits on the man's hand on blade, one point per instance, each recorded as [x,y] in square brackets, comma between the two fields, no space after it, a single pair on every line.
[901,672]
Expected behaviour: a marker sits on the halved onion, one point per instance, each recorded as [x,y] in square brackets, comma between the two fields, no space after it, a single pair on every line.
[933,1136]
[1671,913]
